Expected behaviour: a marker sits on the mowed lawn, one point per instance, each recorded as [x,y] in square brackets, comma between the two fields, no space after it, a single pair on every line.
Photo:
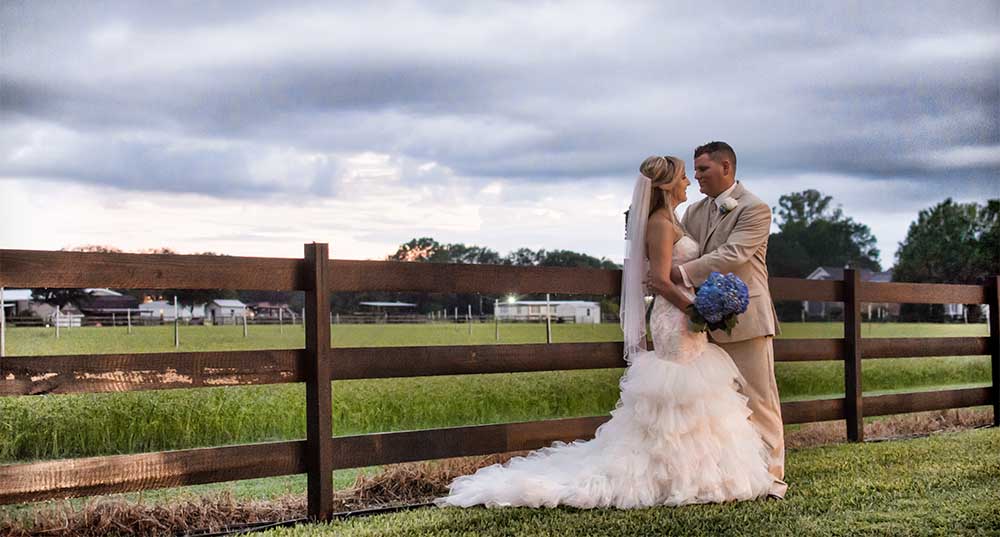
[942,485]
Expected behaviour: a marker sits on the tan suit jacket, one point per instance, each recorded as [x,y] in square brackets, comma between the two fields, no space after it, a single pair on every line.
[737,243]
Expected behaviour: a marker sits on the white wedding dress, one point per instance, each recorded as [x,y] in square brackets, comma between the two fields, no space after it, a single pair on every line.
[678,435]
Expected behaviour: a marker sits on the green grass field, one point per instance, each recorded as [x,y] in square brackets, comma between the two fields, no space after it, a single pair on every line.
[46,427]
[61,426]
[942,485]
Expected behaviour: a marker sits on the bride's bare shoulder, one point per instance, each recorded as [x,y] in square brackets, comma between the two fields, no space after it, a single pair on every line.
[660,223]
[662,228]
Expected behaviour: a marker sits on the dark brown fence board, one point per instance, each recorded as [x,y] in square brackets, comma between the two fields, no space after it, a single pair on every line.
[406,446]
[31,268]
[816,290]
[902,403]
[808,350]
[384,362]
[923,293]
[319,412]
[812,410]
[994,304]
[37,481]
[347,275]
[854,403]
[921,347]
[98,373]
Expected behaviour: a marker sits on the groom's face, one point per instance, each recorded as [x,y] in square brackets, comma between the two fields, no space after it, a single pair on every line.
[710,175]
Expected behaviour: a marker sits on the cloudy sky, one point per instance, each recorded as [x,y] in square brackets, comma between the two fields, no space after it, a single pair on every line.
[250,129]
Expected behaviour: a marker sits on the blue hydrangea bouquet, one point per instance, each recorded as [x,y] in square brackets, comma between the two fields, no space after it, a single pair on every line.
[717,303]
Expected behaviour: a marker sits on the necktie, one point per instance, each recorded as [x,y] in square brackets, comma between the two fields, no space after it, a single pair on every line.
[714,215]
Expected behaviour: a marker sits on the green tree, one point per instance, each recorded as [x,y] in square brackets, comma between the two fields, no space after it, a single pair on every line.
[811,233]
[426,249]
[950,243]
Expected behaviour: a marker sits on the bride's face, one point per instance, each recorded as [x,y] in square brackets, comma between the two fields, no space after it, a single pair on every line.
[680,188]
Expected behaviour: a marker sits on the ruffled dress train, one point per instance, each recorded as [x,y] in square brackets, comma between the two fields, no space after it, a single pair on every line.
[679,434]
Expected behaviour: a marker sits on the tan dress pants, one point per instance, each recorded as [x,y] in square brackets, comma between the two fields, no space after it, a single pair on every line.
[755,360]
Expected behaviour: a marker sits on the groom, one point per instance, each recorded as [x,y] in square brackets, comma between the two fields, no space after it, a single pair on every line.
[731,226]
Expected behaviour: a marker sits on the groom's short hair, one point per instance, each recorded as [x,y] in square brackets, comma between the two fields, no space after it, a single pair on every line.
[717,150]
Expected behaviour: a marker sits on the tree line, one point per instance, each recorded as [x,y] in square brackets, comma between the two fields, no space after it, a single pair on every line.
[948,243]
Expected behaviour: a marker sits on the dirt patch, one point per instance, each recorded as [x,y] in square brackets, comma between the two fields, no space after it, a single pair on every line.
[888,427]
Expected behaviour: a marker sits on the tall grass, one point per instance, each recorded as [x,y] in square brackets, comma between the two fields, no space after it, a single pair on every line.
[45,427]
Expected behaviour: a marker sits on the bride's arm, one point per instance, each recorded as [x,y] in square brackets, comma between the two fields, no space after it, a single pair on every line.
[660,240]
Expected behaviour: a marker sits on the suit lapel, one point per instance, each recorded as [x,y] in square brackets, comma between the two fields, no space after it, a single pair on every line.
[737,194]
[699,221]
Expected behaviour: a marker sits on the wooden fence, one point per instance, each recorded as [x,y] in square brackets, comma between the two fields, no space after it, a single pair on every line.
[316,365]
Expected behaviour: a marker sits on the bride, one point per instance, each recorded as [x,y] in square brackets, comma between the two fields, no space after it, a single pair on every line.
[679,433]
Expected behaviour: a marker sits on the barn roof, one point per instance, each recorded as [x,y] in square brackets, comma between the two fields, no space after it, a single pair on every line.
[13,295]
[228,303]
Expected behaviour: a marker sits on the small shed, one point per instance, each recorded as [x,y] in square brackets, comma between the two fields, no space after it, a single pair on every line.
[221,309]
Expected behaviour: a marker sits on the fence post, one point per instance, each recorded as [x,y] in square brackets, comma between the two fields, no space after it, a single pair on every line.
[319,413]
[177,330]
[3,326]
[548,319]
[994,296]
[852,356]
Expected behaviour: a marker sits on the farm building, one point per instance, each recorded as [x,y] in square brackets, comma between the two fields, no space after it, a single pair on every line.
[388,307]
[219,310]
[873,311]
[105,302]
[828,310]
[271,311]
[16,301]
[163,309]
[573,311]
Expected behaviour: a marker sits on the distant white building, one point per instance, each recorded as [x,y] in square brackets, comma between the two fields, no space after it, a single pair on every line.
[164,309]
[219,310]
[827,310]
[574,311]
[16,301]
[875,311]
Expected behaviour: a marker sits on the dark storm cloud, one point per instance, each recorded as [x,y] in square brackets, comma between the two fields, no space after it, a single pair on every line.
[186,98]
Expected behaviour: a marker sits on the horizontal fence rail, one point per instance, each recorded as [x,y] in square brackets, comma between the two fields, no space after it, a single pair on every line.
[74,270]
[90,476]
[314,365]
[98,373]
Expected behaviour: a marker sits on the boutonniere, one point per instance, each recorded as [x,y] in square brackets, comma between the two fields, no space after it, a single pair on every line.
[727,205]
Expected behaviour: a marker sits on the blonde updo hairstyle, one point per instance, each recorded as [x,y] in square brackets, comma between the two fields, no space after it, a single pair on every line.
[662,171]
